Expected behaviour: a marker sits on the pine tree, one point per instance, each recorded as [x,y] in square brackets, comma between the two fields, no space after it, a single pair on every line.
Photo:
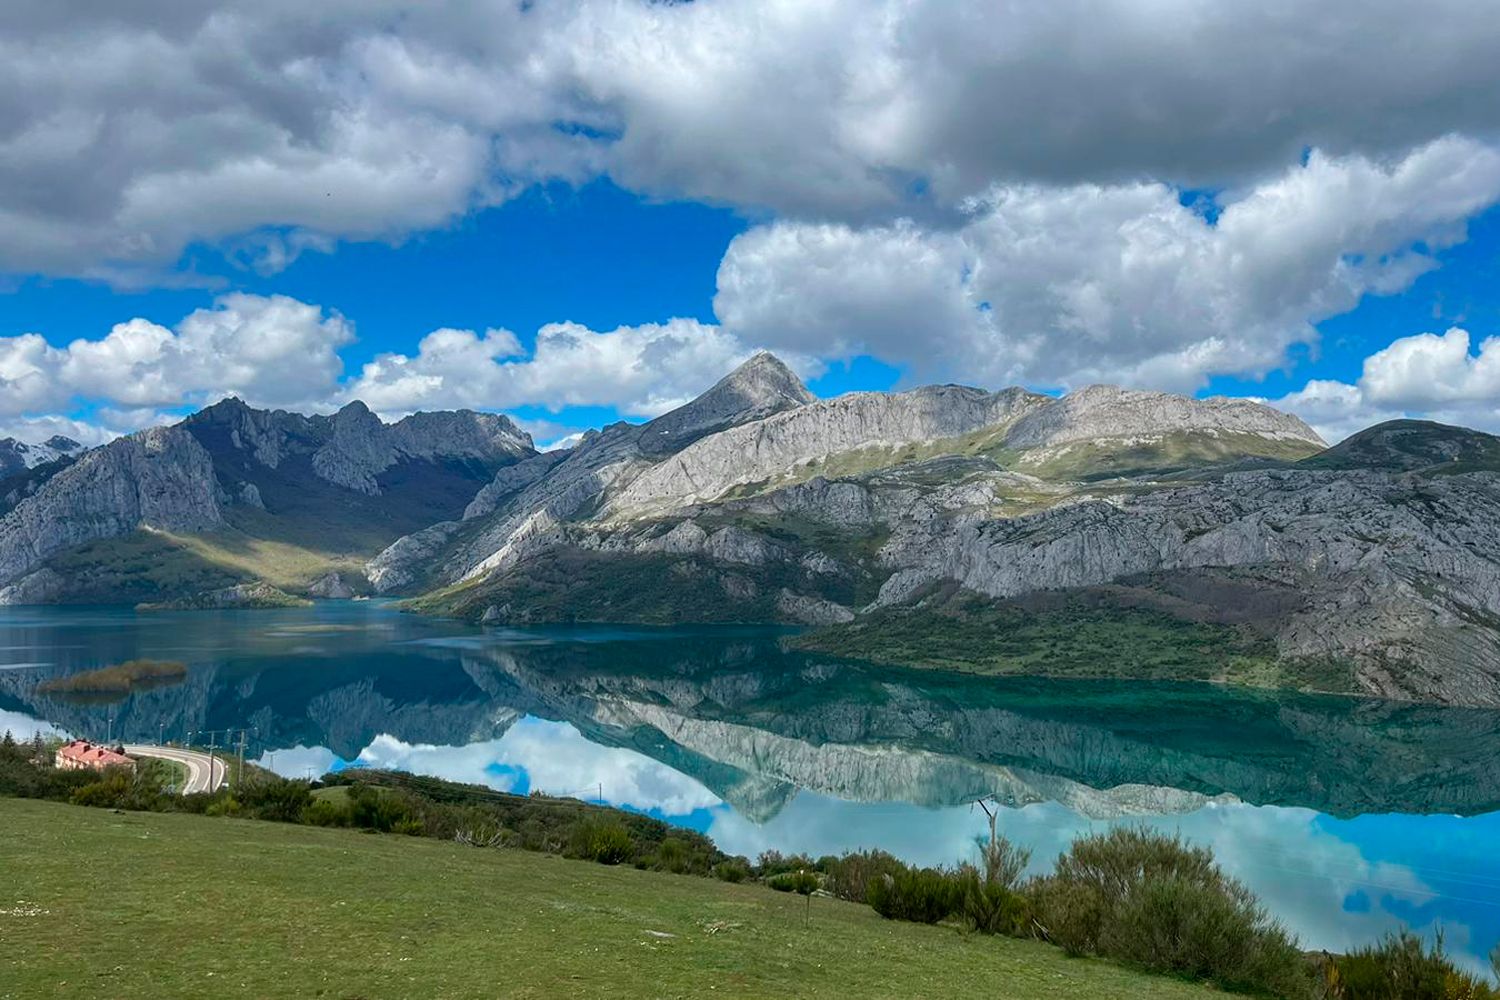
[9,741]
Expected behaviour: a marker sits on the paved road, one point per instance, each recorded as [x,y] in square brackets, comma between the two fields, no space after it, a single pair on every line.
[205,774]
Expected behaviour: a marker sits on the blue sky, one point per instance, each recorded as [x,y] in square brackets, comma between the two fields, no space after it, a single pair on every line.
[580,211]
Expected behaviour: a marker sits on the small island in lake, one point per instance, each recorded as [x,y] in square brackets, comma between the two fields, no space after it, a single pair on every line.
[120,678]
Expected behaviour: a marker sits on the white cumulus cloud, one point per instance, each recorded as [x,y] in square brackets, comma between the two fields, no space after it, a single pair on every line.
[136,130]
[1442,377]
[1068,285]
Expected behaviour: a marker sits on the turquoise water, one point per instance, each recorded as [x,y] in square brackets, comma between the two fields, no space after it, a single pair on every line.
[1348,817]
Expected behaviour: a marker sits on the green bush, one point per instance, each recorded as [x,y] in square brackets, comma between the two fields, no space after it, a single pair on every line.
[849,877]
[226,805]
[991,907]
[1173,924]
[379,809]
[921,895]
[733,870]
[276,799]
[119,788]
[1401,966]
[1153,901]
[323,812]
[803,883]
[672,855]
[774,863]
[1069,914]
[604,841]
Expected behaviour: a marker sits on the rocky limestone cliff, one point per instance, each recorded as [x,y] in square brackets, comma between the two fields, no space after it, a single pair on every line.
[323,485]
[759,388]
[520,509]
[160,478]
[353,447]
[758,430]
[1103,412]
[831,509]
[776,447]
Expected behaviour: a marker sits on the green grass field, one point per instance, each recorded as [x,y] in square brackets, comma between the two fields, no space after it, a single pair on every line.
[123,905]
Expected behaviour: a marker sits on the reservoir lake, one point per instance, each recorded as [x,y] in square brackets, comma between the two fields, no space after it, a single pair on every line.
[1348,817]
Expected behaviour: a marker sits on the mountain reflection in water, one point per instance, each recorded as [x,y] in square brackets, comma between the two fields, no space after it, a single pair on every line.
[1340,812]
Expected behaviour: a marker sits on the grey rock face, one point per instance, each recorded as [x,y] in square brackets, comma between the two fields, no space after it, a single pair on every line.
[360,447]
[159,478]
[331,586]
[1105,411]
[811,610]
[775,447]
[512,480]
[520,512]
[353,447]
[759,388]
[399,565]
[1397,571]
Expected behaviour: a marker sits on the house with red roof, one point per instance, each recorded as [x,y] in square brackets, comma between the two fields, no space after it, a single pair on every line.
[81,753]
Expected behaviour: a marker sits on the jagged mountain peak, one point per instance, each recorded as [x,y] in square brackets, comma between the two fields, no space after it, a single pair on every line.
[758,388]
[1109,411]
[355,408]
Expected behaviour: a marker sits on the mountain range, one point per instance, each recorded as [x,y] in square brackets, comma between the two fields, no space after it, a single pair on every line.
[1104,531]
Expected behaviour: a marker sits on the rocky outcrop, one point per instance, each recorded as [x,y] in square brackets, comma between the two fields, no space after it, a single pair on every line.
[812,511]
[160,478]
[331,586]
[518,513]
[1400,573]
[778,447]
[343,477]
[1100,412]
[353,447]
[757,389]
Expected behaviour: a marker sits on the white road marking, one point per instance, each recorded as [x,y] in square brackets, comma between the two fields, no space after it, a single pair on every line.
[199,765]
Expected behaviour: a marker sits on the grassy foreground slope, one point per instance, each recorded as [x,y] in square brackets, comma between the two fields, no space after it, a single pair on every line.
[99,904]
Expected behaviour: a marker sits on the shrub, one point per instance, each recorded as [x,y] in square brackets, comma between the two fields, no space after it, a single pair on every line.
[604,841]
[921,895]
[275,799]
[1002,861]
[803,883]
[1155,902]
[733,870]
[374,808]
[1069,914]
[118,788]
[1402,965]
[849,877]
[774,863]
[1173,924]
[323,812]
[226,805]
[672,855]
[990,907]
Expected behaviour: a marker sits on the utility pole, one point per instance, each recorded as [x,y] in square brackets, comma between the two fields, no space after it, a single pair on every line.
[239,778]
